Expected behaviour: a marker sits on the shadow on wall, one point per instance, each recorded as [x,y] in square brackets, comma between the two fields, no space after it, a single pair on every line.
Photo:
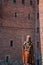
[11,62]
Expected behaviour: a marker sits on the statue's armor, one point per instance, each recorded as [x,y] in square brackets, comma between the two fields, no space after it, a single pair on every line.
[28,53]
[26,46]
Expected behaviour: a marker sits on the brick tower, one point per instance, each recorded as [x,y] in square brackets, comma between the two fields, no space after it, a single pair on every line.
[19,18]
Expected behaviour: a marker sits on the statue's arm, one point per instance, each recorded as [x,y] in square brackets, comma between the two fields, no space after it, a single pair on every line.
[32,49]
[23,50]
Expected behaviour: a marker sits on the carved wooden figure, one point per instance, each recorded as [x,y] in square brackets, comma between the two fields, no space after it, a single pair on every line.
[27,52]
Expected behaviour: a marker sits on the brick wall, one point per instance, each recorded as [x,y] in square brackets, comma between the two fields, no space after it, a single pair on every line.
[16,28]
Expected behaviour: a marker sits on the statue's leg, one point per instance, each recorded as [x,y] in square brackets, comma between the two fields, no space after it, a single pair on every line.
[26,57]
[32,60]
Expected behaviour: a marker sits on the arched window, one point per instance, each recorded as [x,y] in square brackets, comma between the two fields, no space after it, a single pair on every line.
[11,43]
[31,2]
[15,14]
[7,58]
[14,1]
[38,2]
[23,1]
[37,15]
[37,61]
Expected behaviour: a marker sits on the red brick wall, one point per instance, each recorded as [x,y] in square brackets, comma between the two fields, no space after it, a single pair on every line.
[16,29]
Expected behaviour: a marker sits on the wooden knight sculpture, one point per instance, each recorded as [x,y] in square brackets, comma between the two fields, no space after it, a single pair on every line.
[27,52]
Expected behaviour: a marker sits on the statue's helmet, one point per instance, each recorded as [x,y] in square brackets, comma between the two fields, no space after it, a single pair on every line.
[28,38]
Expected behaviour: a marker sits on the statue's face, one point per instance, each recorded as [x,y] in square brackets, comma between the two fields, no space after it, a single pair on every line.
[28,39]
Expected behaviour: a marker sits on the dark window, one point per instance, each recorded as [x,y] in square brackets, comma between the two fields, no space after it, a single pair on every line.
[38,62]
[11,43]
[7,59]
[38,2]
[0,15]
[37,15]
[31,2]
[28,16]
[15,14]
[14,1]
[37,29]
[23,1]
[0,10]
[37,44]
